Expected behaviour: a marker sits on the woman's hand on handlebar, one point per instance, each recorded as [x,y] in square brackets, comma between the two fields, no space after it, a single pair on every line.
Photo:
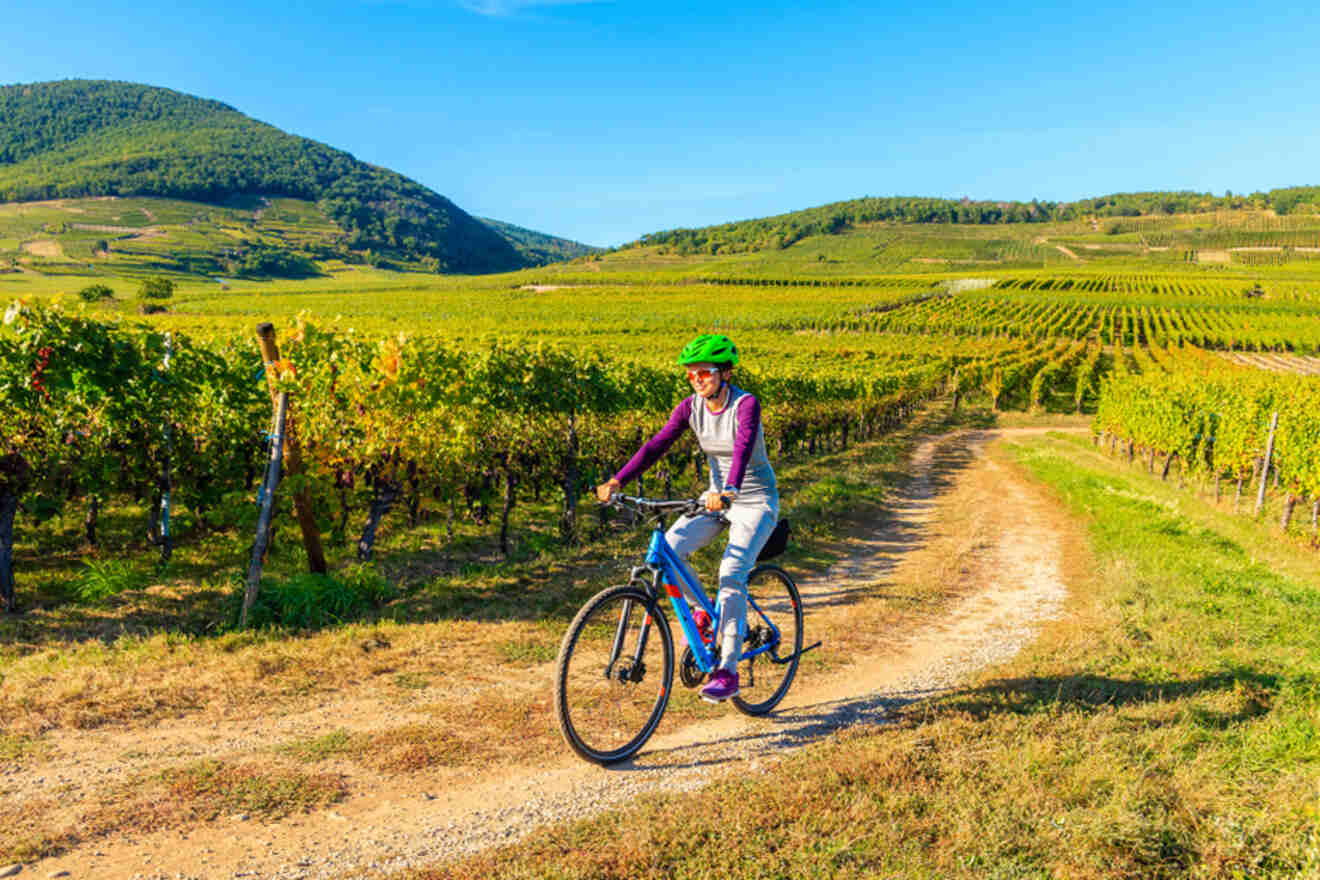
[605,491]
[717,501]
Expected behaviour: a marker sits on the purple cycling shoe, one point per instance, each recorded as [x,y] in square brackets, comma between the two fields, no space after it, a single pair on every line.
[722,685]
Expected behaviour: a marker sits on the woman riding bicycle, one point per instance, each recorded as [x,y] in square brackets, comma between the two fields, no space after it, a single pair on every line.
[727,423]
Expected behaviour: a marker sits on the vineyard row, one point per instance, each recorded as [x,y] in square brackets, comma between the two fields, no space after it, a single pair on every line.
[1215,416]
[94,412]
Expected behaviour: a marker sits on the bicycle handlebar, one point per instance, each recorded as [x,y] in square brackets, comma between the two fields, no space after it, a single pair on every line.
[687,506]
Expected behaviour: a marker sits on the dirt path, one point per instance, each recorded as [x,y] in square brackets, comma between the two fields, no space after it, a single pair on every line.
[1066,251]
[994,542]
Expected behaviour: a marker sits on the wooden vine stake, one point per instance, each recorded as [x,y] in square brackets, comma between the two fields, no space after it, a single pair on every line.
[165,481]
[293,466]
[1265,468]
[268,486]
[1289,506]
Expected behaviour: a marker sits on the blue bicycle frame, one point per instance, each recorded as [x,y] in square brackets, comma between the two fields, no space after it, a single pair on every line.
[664,564]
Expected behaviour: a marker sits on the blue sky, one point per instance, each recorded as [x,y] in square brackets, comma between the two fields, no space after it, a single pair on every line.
[602,121]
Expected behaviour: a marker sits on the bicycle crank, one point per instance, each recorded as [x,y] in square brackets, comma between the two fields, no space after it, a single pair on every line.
[688,671]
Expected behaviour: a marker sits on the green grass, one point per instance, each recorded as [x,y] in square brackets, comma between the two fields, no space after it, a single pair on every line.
[319,748]
[101,579]
[311,601]
[1167,729]
[13,748]
[530,651]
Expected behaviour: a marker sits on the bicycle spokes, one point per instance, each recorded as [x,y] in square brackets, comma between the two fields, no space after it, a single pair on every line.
[614,675]
[773,640]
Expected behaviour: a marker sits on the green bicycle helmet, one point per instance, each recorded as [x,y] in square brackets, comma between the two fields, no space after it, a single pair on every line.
[711,348]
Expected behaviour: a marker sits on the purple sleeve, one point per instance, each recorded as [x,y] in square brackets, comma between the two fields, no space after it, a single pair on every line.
[658,445]
[749,423]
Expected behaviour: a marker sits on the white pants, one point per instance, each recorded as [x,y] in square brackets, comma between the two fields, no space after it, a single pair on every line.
[750,525]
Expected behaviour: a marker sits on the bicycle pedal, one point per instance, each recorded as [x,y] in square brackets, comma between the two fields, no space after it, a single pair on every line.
[718,700]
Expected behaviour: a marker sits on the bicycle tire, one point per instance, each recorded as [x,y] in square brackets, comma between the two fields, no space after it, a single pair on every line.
[774,592]
[607,708]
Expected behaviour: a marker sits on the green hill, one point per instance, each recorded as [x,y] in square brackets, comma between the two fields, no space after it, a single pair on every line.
[539,248]
[783,230]
[84,138]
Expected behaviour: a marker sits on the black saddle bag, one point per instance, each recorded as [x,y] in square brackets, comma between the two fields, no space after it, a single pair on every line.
[777,542]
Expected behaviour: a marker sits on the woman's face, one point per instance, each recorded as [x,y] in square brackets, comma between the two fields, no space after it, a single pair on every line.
[706,378]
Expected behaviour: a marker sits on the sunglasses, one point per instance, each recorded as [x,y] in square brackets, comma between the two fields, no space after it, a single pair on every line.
[711,372]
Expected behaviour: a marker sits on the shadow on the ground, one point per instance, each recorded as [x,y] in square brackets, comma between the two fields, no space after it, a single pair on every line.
[803,725]
[1087,693]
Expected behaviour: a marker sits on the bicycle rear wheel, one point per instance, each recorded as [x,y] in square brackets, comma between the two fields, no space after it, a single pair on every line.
[772,605]
[615,670]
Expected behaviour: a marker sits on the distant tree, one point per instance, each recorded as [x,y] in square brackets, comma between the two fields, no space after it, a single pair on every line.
[94,292]
[156,288]
[102,246]
[271,263]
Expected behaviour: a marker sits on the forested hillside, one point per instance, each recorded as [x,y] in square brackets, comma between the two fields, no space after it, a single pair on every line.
[783,230]
[539,248]
[80,138]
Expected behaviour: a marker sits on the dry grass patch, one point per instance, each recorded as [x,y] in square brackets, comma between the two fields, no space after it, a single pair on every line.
[319,748]
[531,649]
[48,248]
[414,747]
[509,726]
[26,834]
[181,796]
[488,726]
[207,790]
[136,681]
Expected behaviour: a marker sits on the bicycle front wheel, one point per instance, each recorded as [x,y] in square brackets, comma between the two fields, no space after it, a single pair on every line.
[774,619]
[612,680]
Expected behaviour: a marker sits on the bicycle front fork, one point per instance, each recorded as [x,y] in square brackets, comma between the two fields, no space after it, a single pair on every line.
[635,670]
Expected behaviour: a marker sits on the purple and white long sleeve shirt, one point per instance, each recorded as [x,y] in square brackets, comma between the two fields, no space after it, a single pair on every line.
[732,440]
